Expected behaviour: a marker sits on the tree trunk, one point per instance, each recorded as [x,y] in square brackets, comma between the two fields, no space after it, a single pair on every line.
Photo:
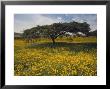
[53,39]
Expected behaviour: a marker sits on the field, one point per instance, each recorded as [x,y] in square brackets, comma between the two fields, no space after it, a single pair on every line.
[68,57]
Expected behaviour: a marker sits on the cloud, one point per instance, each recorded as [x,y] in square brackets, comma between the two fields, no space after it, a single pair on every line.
[78,19]
[92,20]
[59,18]
[29,21]
[66,15]
[43,20]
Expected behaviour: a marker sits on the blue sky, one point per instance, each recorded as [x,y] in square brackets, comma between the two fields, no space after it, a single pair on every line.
[26,21]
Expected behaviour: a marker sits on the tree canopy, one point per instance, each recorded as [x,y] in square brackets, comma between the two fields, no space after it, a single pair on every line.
[56,29]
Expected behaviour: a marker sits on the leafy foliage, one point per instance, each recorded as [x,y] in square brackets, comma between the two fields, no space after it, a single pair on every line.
[56,29]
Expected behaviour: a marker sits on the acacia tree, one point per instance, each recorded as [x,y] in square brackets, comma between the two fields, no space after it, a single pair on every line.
[58,29]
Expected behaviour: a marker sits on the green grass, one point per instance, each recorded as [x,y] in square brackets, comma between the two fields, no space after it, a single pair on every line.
[68,57]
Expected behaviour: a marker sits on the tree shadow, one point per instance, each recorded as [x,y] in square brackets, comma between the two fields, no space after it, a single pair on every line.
[76,47]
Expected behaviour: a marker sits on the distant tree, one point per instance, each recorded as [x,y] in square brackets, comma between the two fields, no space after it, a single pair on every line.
[30,35]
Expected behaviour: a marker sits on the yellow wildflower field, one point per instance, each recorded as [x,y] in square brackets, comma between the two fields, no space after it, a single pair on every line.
[68,57]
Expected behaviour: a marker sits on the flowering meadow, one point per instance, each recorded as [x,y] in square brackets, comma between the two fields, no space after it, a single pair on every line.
[68,57]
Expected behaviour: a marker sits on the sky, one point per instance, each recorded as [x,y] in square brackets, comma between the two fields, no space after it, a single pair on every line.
[27,21]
